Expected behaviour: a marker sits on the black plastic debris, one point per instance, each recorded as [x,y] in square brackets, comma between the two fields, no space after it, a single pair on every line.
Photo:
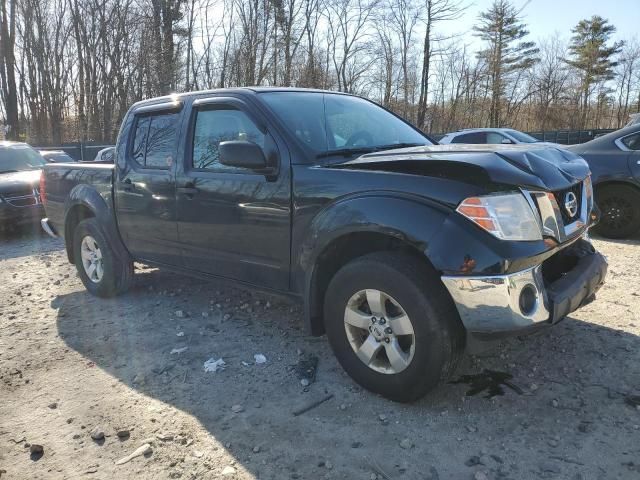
[306,368]
[632,400]
[490,381]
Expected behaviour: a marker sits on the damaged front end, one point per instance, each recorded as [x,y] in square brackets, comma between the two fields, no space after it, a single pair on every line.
[514,252]
[510,304]
[549,291]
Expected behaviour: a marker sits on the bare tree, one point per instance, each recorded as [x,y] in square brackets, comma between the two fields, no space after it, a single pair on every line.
[348,21]
[8,19]
[435,11]
[628,78]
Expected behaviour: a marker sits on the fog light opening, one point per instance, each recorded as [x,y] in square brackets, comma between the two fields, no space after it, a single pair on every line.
[528,300]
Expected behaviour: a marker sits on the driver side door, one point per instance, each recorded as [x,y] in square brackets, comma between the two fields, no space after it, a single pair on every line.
[233,222]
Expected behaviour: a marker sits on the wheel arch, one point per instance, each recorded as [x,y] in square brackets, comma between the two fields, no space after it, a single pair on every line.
[85,202]
[338,236]
[612,182]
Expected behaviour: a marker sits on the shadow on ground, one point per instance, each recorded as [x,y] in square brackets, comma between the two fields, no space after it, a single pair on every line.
[573,377]
[26,240]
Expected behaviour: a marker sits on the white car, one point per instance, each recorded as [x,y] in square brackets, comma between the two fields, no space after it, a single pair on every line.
[634,118]
[56,156]
[105,155]
[506,136]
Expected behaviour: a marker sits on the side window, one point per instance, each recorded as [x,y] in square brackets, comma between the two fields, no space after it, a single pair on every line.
[632,142]
[154,143]
[220,125]
[493,137]
[140,139]
[474,137]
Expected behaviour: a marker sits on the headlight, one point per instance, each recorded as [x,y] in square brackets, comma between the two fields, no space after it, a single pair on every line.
[506,216]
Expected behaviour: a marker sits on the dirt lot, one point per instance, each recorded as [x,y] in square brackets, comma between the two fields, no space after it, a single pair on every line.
[71,364]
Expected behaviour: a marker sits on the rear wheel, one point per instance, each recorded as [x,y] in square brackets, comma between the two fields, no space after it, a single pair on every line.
[392,325]
[101,271]
[620,211]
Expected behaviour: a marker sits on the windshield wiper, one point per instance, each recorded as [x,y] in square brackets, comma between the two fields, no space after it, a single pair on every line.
[393,146]
[346,152]
[9,171]
[349,152]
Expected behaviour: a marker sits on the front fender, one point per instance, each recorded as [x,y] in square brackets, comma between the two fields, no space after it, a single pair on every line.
[413,221]
[407,218]
[88,198]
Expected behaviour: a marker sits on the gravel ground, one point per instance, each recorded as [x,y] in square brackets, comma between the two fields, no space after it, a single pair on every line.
[72,365]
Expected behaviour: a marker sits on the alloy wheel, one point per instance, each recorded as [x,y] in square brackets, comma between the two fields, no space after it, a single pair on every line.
[379,331]
[92,259]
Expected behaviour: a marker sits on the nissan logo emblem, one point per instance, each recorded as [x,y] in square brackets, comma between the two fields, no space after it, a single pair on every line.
[571,204]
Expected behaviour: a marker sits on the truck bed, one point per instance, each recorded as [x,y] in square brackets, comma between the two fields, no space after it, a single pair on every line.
[62,178]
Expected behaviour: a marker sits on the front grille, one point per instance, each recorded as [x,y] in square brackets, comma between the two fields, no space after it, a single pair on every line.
[561,198]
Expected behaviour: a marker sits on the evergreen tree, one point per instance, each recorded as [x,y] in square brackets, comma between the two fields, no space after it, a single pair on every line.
[501,27]
[592,56]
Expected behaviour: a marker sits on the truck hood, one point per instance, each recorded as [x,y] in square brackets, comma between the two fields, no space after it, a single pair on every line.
[532,166]
[15,184]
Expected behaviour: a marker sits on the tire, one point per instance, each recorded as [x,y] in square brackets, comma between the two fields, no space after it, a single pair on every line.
[620,211]
[116,275]
[438,335]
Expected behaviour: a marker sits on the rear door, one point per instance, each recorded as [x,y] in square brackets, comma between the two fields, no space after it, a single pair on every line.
[145,185]
[234,222]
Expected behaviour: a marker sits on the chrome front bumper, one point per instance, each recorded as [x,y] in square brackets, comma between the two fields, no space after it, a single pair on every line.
[492,303]
[511,303]
[44,223]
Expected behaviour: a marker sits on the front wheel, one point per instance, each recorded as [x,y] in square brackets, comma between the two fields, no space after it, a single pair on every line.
[101,271]
[620,209]
[392,325]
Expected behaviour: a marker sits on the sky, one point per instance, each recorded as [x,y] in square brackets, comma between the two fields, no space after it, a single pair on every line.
[545,17]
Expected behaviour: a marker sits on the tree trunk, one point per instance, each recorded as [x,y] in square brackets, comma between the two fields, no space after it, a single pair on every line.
[8,69]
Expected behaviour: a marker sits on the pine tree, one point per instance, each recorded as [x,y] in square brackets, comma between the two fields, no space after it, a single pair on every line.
[592,56]
[501,27]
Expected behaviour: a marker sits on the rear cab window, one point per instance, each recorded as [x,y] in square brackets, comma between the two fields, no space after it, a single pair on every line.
[155,139]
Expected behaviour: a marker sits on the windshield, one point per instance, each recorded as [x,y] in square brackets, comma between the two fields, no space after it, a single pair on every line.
[331,123]
[16,158]
[522,137]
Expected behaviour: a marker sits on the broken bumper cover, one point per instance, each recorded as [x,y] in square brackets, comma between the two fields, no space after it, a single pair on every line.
[511,304]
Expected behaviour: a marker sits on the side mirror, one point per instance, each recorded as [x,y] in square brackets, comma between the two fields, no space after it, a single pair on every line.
[242,154]
[507,141]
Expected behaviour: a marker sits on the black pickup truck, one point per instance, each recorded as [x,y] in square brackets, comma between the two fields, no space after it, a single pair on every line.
[401,250]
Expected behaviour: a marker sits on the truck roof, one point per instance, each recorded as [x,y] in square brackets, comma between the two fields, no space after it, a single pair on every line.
[178,96]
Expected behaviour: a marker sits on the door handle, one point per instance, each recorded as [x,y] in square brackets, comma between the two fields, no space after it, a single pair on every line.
[189,190]
[127,185]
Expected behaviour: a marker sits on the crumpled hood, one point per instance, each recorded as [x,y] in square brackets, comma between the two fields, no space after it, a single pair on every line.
[530,166]
[19,183]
